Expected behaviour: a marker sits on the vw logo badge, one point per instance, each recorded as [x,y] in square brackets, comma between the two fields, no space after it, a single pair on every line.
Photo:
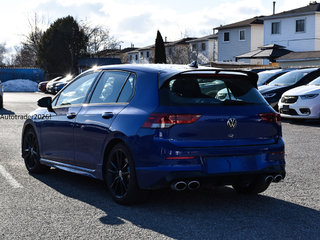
[232,123]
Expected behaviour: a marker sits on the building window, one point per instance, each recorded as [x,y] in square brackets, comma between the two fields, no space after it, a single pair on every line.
[275,28]
[194,47]
[130,58]
[300,25]
[170,51]
[203,46]
[148,54]
[242,35]
[136,57]
[141,54]
[226,37]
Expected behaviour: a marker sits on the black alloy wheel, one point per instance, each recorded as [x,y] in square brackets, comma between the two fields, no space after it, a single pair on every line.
[31,153]
[119,175]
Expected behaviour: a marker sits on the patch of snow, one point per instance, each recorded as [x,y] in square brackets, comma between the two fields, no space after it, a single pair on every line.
[20,85]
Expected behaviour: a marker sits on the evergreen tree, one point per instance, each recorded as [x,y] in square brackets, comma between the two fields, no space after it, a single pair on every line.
[61,45]
[159,52]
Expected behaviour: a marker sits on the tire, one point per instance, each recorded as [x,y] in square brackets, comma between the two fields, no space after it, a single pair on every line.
[1,102]
[31,153]
[120,178]
[258,185]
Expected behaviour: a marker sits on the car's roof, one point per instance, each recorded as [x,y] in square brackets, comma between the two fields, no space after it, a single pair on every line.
[166,71]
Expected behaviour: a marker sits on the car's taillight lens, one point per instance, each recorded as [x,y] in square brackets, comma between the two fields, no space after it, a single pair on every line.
[165,120]
[270,117]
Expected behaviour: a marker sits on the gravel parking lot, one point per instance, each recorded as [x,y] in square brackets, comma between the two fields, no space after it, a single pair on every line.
[61,205]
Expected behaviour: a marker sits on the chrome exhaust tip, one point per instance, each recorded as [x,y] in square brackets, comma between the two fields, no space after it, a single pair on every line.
[268,179]
[277,178]
[194,185]
[179,186]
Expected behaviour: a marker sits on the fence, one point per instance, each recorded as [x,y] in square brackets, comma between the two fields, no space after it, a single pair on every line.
[34,74]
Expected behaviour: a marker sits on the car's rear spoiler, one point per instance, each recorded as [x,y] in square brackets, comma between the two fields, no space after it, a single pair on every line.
[252,76]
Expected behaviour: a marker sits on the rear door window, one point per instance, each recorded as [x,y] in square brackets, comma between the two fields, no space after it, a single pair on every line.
[113,86]
[209,90]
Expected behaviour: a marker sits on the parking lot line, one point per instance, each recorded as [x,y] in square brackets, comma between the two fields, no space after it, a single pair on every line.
[9,178]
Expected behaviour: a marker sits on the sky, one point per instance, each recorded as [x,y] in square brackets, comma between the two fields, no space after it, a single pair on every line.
[135,21]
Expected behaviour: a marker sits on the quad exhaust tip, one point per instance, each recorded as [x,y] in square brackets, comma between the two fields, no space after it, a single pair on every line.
[194,185]
[182,185]
[179,186]
[277,178]
[268,179]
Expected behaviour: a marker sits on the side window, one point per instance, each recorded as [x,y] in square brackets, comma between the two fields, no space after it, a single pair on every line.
[109,87]
[77,91]
[127,90]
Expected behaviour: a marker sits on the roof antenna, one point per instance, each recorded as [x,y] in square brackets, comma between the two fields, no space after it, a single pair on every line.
[194,64]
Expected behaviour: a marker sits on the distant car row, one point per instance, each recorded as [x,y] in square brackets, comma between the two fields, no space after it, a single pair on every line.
[54,85]
[293,92]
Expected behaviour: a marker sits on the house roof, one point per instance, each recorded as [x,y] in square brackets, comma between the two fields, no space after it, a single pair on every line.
[208,37]
[294,56]
[244,23]
[311,8]
[180,41]
[270,51]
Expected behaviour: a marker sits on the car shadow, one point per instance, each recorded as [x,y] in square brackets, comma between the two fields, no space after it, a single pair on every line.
[217,213]
[4,111]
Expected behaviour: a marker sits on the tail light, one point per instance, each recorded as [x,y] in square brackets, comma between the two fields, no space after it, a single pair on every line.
[270,117]
[165,120]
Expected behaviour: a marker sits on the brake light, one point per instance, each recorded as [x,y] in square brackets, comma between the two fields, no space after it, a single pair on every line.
[270,117]
[165,120]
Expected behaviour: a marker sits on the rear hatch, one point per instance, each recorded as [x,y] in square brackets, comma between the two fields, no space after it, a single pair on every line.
[210,110]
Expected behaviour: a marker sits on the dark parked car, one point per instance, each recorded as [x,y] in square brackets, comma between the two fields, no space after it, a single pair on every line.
[268,76]
[1,95]
[142,127]
[272,92]
[51,86]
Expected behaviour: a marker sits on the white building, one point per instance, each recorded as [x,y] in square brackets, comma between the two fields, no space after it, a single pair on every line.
[297,30]
[239,38]
[204,49]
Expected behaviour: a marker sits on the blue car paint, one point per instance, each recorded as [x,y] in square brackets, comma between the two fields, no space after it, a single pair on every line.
[79,144]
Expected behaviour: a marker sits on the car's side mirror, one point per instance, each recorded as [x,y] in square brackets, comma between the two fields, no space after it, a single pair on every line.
[46,102]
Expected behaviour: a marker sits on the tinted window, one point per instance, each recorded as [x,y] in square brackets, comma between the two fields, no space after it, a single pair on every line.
[289,78]
[77,91]
[200,90]
[109,87]
[127,90]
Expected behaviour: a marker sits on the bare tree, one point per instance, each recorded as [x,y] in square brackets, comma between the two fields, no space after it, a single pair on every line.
[179,54]
[99,38]
[26,53]
[3,51]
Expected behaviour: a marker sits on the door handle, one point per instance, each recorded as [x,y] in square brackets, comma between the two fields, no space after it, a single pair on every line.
[107,115]
[71,115]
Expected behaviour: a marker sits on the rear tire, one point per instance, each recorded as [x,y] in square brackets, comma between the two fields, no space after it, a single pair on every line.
[120,178]
[31,153]
[258,185]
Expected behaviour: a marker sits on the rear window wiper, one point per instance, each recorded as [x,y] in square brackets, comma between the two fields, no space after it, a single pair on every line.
[235,102]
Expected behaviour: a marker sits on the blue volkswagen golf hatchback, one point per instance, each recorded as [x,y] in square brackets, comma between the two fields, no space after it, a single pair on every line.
[142,127]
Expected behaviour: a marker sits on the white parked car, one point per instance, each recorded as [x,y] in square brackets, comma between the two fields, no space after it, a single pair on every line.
[1,95]
[301,102]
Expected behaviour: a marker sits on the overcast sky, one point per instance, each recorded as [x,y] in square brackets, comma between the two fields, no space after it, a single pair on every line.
[136,21]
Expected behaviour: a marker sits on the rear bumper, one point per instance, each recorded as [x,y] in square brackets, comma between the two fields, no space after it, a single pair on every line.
[221,166]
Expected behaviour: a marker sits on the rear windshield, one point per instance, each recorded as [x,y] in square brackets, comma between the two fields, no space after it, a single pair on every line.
[209,90]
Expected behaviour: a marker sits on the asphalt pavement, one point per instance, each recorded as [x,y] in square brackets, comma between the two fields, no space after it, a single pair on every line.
[61,205]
